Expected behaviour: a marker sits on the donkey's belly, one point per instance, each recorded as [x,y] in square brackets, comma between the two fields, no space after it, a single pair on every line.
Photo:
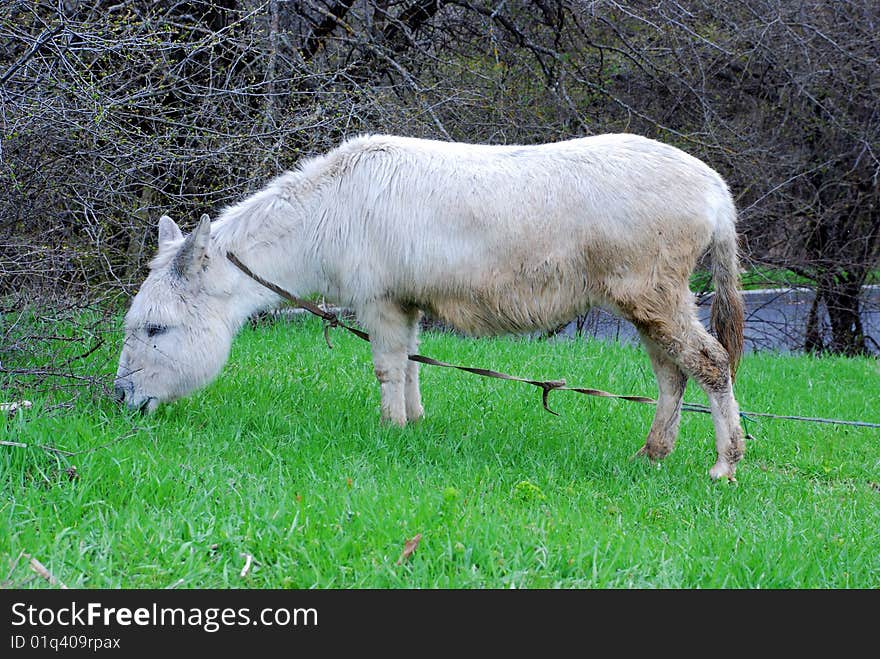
[505,314]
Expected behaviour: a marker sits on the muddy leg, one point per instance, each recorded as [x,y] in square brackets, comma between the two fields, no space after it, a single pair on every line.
[699,355]
[671,382]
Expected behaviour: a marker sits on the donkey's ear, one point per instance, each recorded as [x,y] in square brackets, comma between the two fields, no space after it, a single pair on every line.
[188,261]
[168,230]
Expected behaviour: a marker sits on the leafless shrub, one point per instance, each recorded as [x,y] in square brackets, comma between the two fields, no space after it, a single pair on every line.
[115,112]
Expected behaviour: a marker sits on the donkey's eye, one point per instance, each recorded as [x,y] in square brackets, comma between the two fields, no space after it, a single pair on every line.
[153,330]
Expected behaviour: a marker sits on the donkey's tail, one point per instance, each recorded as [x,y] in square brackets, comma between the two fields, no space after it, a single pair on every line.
[727,316]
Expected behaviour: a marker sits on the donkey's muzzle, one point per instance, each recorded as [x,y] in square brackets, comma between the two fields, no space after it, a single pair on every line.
[121,389]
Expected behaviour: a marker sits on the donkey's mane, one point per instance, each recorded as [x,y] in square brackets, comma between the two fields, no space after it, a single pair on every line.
[262,217]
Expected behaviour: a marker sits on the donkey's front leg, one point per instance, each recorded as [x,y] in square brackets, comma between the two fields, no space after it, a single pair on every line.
[389,328]
[390,371]
[412,394]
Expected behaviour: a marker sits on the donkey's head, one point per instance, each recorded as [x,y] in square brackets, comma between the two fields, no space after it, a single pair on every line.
[178,330]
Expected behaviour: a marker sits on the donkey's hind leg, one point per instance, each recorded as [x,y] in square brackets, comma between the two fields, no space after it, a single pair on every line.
[698,354]
[671,382]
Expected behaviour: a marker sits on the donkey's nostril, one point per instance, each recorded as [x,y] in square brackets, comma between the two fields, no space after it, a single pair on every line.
[119,393]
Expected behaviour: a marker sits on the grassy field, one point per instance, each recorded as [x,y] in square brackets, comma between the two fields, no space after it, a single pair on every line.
[283,459]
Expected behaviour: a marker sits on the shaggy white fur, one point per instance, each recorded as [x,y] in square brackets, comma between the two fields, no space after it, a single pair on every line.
[491,239]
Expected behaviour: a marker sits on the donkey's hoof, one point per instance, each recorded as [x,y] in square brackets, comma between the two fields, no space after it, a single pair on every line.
[653,452]
[415,414]
[723,470]
[398,422]
[638,454]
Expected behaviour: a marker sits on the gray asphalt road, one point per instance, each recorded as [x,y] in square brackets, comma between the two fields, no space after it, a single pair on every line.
[775,320]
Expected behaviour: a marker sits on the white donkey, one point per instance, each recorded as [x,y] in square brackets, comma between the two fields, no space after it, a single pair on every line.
[490,239]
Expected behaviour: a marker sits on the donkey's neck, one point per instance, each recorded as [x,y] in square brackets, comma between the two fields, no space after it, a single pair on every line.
[265,231]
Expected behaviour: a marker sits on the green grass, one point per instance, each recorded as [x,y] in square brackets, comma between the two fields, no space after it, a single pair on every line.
[283,458]
[759,277]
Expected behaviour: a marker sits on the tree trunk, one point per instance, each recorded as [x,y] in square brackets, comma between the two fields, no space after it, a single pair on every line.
[813,341]
[843,300]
